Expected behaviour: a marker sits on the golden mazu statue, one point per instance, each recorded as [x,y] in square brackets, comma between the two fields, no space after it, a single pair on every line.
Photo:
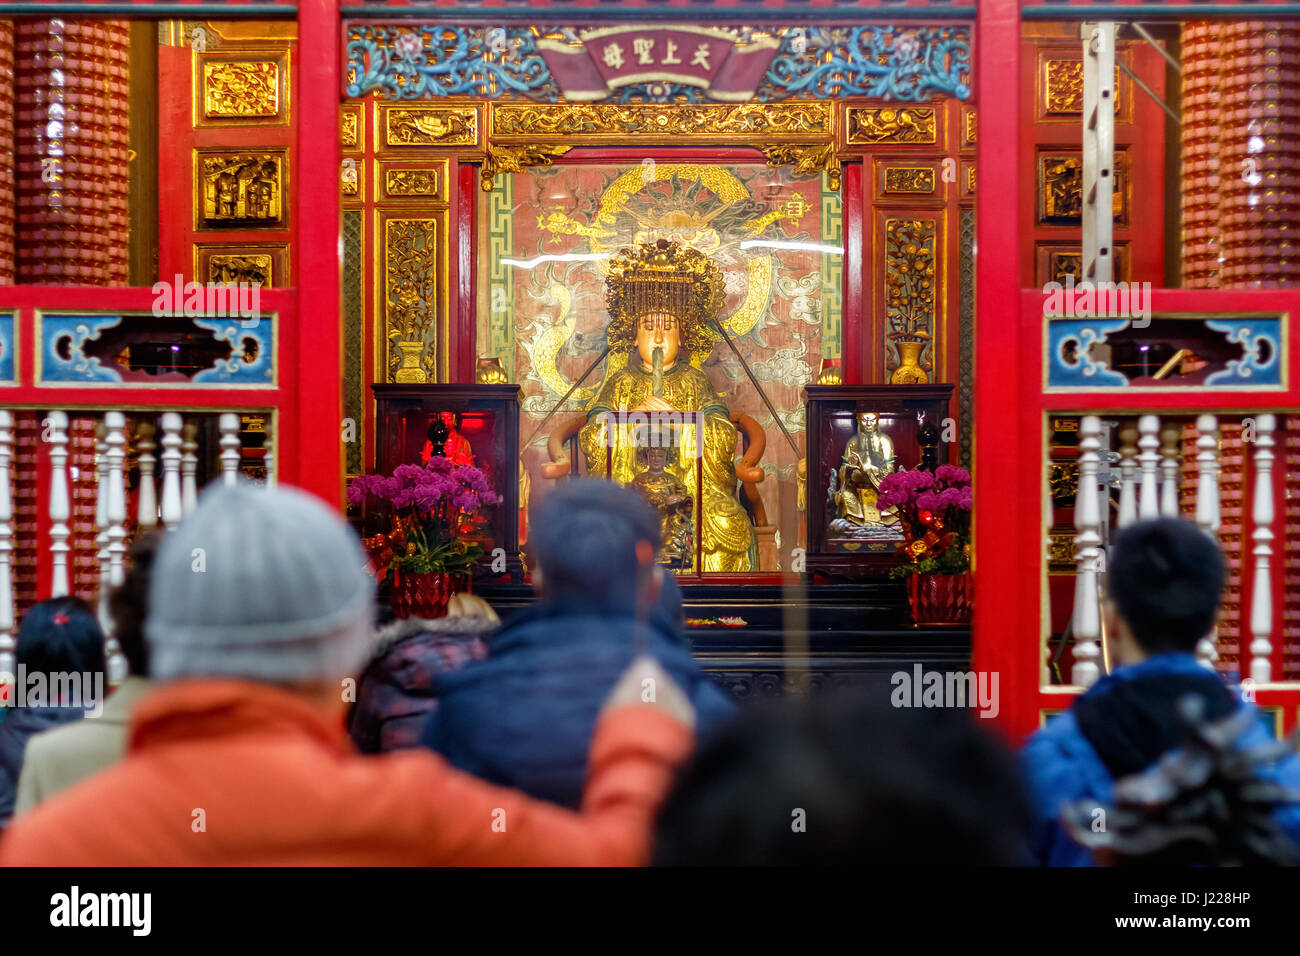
[660,297]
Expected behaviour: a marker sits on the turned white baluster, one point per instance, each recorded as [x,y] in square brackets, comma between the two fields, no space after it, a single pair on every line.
[1171,440]
[116,441]
[7,663]
[1261,602]
[1128,435]
[268,457]
[101,520]
[228,427]
[1087,556]
[56,428]
[147,510]
[1148,442]
[189,467]
[171,509]
[1207,510]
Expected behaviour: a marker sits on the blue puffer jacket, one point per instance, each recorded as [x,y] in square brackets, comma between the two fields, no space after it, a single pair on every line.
[524,717]
[21,724]
[1062,766]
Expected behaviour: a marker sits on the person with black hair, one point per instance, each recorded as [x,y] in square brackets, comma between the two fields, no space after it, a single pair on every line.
[1165,581]
[60,650]
[524,716]
[58,758]
[844,779]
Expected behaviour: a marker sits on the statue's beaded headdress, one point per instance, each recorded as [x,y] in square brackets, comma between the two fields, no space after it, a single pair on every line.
[667,277]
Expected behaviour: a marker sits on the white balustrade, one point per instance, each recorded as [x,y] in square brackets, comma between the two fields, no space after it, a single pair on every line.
[7,643]
[1261,602]
[1149,500]
[1171,464]
[146,495]
[116,441]
[171,509]
[189,467]
[101,520]
[268,456]
[55,430]
[1087,556]
[228,427]
[1207,510]
[1128,435]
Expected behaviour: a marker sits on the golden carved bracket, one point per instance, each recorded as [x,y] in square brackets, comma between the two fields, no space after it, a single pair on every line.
[807,160]
[513,159]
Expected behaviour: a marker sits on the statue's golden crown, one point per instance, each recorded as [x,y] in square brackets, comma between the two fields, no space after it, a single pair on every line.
[664,276]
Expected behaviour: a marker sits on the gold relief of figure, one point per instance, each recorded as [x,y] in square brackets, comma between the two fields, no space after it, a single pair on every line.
[251,269]
[660,297]
[429,126]
[241,89]
[868,126]
[410,297]
[1063,88]
[868,457]
[671,500]
[241,190]
[350,129]
[909,179]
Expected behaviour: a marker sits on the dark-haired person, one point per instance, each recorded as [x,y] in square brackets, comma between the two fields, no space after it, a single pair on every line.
[841,779]
[60,658]
[1165,579]
[58,758]
[524,716]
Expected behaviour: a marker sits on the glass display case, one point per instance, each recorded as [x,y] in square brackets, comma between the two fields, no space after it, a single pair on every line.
[858,434]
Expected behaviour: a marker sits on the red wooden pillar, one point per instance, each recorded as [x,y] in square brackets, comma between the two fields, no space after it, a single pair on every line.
[311,450]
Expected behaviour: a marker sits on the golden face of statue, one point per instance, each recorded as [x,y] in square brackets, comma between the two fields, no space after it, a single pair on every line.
[867,422]
[658,330]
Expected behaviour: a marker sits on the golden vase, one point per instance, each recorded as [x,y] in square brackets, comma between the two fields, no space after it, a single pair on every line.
[909,371]
[410,371]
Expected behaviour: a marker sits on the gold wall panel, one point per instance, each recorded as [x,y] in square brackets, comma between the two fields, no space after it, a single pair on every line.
[240,189]
[1063,87]
[241,88]
[970,179]
[267,263]
[908,179]
[969,126]
[430,125]
[911,279]
[414,294]
[351,129]
[873,126]
[1060,187]
[350,174]
[803,120]
[404,181]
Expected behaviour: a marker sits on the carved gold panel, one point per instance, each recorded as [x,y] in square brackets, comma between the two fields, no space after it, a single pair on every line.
[430,125]
[241,88]
[1060,553]
[414,295]
[267,263]
[907,179]
[1059,261]
[911,272]
[807,120]
[351,128]
[873,126]
[1063,87]
[969,126]
[240,189]
[409,181]
[970,179]
[350,174]
[1060,188]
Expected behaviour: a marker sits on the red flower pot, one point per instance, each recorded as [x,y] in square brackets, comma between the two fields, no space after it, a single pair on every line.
[940,598]
[422,595]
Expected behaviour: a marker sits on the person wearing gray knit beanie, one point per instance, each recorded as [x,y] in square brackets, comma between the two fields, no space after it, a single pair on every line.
[257,584]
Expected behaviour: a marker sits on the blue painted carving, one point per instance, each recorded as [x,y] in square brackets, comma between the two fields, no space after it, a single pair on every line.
[8,348]
[77,330]
[428,61]
[431,61]
[1068,344]
[909,64]
[1261,361]
[251,361]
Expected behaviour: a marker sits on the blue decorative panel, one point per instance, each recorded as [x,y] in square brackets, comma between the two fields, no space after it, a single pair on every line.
[1068,344]
[430,61]
[66,338]
[8,349]
[1262,363]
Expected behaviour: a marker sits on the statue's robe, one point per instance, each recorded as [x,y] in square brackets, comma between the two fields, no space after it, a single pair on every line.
[727,537]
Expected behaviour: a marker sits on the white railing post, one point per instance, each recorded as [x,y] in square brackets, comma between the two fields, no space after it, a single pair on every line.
[7,643]
[146,497]
[115,423]
[1087,556]
[268,456]
[1261,601]
[171,508]
[1149,500]
[228,426]
[1207,510]
[189,467]
[56,428]
[1128,435]
[101,520]
[1171,440]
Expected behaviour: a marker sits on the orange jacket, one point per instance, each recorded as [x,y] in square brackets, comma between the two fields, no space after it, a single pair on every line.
[233,773]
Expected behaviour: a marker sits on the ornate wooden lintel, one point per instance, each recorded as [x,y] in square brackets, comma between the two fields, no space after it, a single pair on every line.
[513,159]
